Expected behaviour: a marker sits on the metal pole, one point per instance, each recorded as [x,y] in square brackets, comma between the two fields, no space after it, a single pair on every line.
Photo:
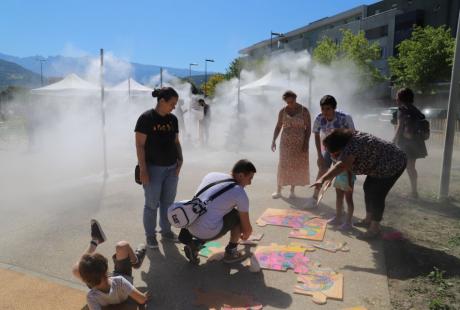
[104,145]
[161,77]
[129,90]
[271,41]
[41,72]
[454,96]
[190,73]
[205,76]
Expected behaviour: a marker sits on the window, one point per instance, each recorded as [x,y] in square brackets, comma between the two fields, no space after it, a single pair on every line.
[376,33]
[437,7]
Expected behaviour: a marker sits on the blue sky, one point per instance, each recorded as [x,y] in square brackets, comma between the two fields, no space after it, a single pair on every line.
[170,33]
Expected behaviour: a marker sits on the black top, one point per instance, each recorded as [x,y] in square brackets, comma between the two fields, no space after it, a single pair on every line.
[407,139]
[160,146]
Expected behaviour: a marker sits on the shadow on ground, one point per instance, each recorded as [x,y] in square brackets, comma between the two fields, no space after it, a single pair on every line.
[171,281]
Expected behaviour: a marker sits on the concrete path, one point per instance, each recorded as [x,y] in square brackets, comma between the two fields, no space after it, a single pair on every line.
[45,227]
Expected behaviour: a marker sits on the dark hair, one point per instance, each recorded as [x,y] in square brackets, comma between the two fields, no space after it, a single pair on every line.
[201,101]
[328,100]
[165,93]
[337,139]
[289,94]
[244,166]
[405,95]
[93,268]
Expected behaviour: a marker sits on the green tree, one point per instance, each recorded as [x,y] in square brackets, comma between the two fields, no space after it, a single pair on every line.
[234,69]
[425,58]
[212,84]
[352,47]
[326,51]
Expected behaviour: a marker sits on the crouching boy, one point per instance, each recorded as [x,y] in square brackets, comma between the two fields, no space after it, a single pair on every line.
[92,270]
[228,212]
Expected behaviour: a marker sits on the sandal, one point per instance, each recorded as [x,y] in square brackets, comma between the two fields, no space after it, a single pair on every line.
[362,223]
[369,235]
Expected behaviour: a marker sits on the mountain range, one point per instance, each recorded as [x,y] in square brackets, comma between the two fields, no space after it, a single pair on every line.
[60,66]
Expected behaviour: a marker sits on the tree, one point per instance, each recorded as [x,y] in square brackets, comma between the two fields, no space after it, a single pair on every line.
[212,84]
[423,59]
[352,47]
[234,69]
[326,51]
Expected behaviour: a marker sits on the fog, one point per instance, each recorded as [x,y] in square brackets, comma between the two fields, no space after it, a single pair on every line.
[58,138]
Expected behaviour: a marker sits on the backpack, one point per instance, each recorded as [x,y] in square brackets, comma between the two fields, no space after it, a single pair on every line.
[419,126]
[182,214]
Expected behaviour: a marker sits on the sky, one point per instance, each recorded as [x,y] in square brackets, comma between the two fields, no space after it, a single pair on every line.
[170,33]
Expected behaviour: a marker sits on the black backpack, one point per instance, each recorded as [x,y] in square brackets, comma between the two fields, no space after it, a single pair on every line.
[419,125]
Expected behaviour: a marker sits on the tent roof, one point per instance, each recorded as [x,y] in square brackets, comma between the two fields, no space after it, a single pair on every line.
[132,85]
[264,83]
[71,83]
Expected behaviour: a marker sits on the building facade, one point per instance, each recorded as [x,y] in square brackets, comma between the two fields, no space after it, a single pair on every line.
[386,22]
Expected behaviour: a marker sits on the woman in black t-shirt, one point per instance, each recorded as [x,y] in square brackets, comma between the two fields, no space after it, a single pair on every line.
[159,155]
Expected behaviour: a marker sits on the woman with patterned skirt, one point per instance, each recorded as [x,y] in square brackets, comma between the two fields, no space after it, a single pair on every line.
[294,124]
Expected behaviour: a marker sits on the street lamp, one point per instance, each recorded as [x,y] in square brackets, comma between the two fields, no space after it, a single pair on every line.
[190,71]
[206,73]
[276,34]
[41,69]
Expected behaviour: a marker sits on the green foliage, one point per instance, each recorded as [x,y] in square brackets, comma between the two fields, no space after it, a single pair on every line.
[234,69]
[326,51]
[423,59]
[212,84]
[353,47]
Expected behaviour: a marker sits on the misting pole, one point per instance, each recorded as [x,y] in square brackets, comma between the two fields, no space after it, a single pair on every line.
[129,89]
[161,77]
[454,97]
[104,146]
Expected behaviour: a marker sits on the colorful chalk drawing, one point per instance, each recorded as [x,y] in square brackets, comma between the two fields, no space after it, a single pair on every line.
[281,258]
[282,217]
[321,285]
[313,229]
[210,248]
[316,283]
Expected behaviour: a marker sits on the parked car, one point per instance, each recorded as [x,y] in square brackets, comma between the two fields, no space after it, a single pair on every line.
[389,115]
[433,113]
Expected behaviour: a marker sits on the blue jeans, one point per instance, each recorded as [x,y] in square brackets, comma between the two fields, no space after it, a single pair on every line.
[159,193]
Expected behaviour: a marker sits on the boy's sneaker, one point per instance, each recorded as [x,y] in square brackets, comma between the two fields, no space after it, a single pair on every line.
[152,242]
[140,254]
[170,236]
[233,256]
[191,252]
[96,232]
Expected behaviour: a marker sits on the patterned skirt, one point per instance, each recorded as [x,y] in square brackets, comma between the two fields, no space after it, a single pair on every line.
[293,166]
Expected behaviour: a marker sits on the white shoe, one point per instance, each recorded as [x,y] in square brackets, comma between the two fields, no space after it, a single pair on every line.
[276,195]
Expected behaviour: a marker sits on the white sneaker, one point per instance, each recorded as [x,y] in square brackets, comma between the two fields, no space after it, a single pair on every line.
[276,195]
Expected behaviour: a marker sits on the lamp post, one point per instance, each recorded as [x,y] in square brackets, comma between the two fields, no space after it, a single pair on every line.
[206,73]
[190,71]
[276,34]
[41,70]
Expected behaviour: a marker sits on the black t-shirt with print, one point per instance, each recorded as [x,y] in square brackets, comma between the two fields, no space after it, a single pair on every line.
[160,146]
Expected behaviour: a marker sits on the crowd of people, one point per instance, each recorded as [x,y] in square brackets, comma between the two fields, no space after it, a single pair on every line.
[343,152]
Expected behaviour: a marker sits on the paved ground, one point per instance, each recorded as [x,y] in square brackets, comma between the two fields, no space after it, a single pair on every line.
[44,228]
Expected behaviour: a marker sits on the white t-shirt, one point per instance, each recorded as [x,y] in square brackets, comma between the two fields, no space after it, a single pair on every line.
[210,224]
[120,289]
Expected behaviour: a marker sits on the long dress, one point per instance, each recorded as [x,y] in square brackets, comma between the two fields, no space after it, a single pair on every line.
[293,167]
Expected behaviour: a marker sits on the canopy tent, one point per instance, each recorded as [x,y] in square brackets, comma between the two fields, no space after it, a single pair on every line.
[131,86]
[71,85]
[265,83]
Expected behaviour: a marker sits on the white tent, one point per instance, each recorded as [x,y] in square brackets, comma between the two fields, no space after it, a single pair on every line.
[69,86]
[131,86]
[265,83]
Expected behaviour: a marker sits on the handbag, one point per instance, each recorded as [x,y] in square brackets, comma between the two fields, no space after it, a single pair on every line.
[182,214]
